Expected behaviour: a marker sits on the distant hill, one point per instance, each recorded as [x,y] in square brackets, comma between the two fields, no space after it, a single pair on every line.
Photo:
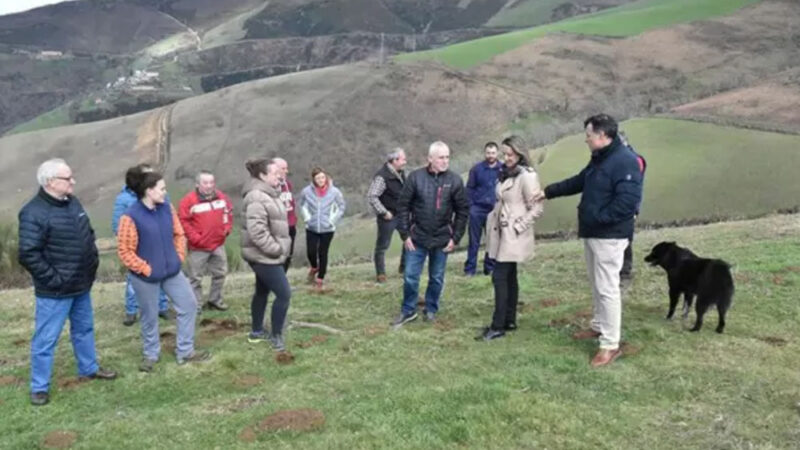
[204,45]
[344,118]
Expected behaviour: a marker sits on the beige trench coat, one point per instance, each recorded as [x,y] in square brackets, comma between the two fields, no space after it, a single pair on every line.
[509,227]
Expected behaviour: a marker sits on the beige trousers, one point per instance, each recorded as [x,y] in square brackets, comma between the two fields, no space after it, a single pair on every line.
[198,263]
[603,263]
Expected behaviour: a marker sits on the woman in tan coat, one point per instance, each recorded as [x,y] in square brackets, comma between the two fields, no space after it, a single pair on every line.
[509,231]
[265,246]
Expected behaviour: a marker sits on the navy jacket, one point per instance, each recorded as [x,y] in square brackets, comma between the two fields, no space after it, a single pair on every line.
[481,184]
[57,246]
[432,209]
[156,246]
[612,190]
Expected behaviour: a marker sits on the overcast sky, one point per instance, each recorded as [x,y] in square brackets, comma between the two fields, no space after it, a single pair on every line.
[12,6]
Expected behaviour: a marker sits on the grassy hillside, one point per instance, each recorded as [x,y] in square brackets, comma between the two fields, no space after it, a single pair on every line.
[626,20]
[528,13]
[434,386]
[695,170]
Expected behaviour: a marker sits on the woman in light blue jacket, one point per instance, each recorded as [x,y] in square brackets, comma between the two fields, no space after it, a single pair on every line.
[322,206]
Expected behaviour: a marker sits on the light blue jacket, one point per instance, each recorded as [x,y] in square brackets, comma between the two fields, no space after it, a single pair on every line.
[124,200]
[321,214]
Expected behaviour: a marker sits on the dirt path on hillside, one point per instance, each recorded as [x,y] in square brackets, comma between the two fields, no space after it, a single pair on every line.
[153,138]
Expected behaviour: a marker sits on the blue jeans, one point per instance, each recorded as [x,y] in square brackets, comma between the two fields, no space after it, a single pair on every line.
[415,261]
[131,306]
[51,313]
[477,222]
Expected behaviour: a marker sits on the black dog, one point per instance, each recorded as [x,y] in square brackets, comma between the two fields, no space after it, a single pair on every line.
[709,279]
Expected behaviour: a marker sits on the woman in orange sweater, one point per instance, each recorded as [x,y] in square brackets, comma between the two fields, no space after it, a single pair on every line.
[152,246]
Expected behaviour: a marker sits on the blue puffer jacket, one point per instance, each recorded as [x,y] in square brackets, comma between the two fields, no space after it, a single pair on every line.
[125,199]
[481,184]
[612,190]
[321,214]
[56,245]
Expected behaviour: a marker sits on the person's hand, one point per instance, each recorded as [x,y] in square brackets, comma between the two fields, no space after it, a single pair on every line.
[539,197]
[450,246]
[409,244]
[388,216]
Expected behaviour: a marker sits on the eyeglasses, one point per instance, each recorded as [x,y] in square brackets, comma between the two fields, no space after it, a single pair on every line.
[65,178]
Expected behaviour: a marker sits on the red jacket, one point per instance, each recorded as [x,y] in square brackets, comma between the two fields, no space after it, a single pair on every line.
[289,202]
[206,222]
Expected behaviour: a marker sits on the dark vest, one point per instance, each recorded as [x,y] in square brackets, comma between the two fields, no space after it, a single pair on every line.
[394,186]
[156,246]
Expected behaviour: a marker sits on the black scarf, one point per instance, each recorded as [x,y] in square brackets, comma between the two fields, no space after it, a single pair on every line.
[511,172]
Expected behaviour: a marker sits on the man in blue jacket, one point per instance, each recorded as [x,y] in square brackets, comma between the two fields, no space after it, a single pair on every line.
[611,190]
[480,193]
[57,247]
[124,200]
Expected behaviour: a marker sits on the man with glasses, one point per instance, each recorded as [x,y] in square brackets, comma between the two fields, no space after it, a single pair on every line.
[57,247]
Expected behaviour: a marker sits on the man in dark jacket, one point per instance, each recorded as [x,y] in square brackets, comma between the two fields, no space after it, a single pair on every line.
[480,193]
[382,196]
[611,187]
[57,247]
[432,217]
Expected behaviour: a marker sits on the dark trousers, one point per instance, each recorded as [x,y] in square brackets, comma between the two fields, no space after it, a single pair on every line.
[385,230]
[270,278]
[627,261]
[288,263]
[477,222]
[506,294]
[317,245]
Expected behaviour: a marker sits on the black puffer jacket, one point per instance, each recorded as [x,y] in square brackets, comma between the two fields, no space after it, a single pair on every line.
[432,208]
[56,245]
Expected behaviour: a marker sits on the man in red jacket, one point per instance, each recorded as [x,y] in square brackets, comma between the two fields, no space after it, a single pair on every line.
[207,218]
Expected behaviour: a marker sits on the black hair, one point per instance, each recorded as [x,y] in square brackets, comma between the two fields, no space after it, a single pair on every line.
[135,173]
[490,144]
[257,166]
[603,123]
[144,181]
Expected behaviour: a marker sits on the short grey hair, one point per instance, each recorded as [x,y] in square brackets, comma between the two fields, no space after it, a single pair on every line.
[394,154]
[200,174]
[437,147]
[49,170]
[279,161]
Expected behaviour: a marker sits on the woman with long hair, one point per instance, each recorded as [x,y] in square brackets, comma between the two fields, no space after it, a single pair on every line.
[509,231]
[266,244]
[152,245]
[322,205]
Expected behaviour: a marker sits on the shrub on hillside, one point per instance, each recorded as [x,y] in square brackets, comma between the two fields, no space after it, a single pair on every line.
[11,272]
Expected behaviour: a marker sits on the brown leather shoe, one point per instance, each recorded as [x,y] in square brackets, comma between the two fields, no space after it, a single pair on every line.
[381,278]
[605,357]
[586,334]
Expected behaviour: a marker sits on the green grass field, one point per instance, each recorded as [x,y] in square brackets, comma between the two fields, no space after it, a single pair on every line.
[54,118]
[625,20]
[695,171]
[434,386]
